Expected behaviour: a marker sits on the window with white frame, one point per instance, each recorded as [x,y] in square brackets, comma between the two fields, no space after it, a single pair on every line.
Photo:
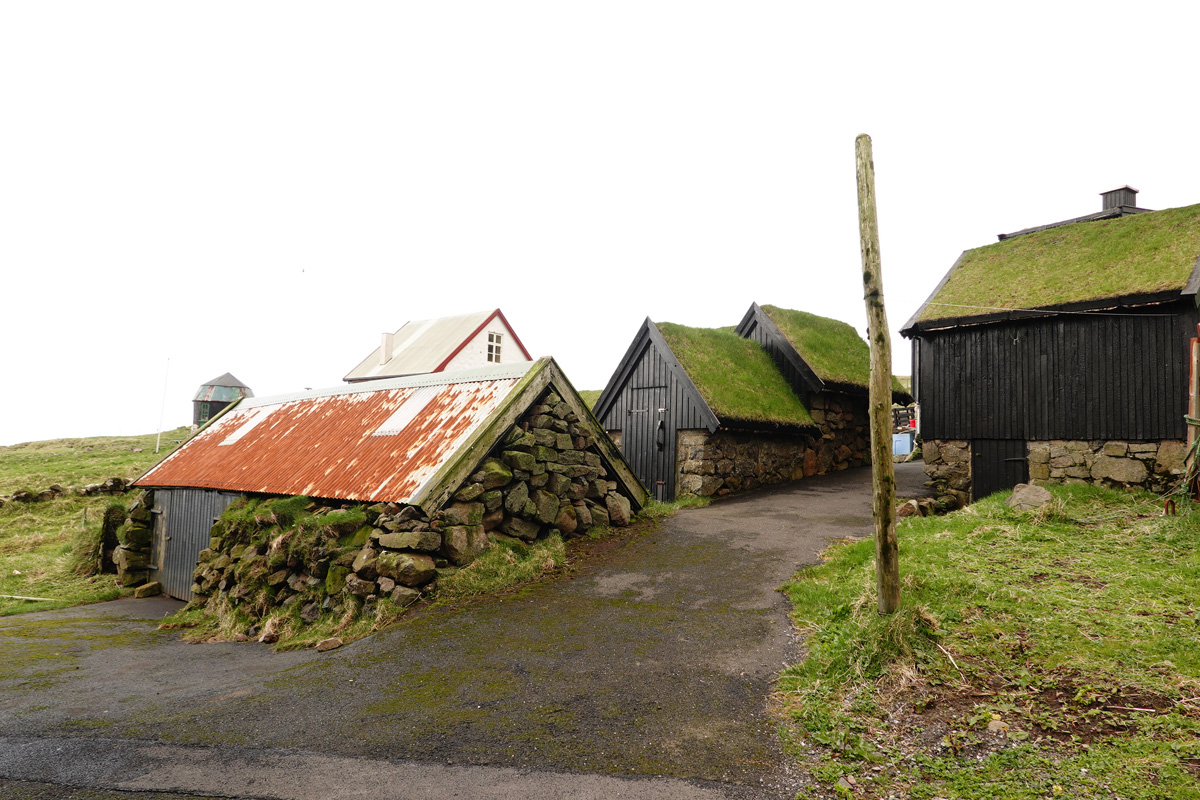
[494,346]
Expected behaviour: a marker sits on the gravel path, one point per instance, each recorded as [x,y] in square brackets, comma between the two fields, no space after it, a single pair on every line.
[644,673]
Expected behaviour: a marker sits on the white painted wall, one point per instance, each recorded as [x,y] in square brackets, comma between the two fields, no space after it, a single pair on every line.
[475,353]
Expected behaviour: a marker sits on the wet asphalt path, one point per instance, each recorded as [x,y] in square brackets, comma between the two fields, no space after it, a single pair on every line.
[643,674]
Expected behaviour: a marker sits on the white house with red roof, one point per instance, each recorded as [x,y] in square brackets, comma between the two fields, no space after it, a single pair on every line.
[467,341]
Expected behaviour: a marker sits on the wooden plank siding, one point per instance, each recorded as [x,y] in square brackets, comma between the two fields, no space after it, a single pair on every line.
[652,380]
[1081,376]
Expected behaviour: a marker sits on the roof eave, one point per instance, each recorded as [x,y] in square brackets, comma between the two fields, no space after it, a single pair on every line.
[1098,305]
[907,329]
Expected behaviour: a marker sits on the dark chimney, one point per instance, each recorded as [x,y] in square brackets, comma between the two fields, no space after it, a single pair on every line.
[1125,196]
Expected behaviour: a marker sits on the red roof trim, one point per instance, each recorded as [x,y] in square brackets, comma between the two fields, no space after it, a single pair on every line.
[474,333]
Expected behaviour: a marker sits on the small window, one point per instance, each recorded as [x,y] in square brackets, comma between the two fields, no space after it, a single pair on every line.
[494,346]
[203,413]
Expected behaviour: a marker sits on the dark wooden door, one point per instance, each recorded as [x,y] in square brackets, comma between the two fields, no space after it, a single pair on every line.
[997,464]
[648,440]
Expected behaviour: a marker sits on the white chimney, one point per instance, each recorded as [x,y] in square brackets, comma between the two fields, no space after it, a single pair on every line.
[385,349]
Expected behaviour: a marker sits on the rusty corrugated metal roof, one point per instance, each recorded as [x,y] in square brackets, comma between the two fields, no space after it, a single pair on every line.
[377,441]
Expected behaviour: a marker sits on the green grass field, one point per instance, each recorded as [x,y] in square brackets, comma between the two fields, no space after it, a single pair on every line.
[40,542]
[1073,632]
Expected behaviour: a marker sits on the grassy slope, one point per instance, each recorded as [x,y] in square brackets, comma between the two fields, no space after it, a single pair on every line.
[38,540]
[33,466]
[1085,261]
[735,376]
[590,396]
[1058,624]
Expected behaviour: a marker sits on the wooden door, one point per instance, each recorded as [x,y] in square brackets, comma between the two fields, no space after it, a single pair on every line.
[997,464]
[648,440]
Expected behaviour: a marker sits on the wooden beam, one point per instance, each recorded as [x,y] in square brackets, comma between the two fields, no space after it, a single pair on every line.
[883,472]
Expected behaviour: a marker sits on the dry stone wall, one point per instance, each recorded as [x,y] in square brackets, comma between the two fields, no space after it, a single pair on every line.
[1154,466]
[725,462]
[545,476]
[135,538]
[948,465]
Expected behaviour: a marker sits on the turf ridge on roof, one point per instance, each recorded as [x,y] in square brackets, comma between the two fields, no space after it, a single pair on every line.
[735,376]
[1077,263]
[831,347]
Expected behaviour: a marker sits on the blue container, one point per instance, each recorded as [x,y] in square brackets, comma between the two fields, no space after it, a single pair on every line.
[902,443]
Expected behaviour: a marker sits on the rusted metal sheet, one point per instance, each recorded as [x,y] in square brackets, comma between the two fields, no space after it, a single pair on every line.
[378,441]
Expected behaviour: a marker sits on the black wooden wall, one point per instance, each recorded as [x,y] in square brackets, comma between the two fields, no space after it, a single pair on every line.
[1079,376]
[652,384]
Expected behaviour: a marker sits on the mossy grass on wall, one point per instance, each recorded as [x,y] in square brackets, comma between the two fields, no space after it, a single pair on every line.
[735,376]
[1076,263]
[1054,648]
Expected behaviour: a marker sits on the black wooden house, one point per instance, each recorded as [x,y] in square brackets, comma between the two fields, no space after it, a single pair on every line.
[1063,353]
[709,411]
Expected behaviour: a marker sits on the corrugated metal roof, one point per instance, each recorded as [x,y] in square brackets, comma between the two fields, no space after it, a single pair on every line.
[424,345]
[378,441]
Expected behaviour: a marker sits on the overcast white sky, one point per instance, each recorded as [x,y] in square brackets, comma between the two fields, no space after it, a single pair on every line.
[262,188]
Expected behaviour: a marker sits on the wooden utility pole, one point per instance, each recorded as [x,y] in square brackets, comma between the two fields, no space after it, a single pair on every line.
[883,473]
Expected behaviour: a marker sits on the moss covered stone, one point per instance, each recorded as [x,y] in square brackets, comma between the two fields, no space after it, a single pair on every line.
[411,540]
[335,579]
[407,569]
[494,473]
[518,460]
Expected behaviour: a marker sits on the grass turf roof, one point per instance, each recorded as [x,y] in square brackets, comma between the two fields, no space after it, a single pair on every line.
[735,376]
[832,348]
[1084,261]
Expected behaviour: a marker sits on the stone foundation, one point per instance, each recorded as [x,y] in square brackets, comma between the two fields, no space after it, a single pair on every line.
[948,465]
[1154,466]
[724,462]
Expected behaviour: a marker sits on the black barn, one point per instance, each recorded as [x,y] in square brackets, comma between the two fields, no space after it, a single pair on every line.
[1063,353]
[710,411]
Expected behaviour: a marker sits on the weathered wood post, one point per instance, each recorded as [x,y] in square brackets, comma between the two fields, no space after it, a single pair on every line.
[883,473]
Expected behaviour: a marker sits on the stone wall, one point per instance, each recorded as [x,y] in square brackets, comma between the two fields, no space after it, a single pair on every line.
[725,461]
[1155,466]
[134,540]
[544,477]
[948,465]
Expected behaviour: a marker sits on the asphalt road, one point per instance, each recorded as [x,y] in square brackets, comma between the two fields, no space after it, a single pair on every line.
[645,673]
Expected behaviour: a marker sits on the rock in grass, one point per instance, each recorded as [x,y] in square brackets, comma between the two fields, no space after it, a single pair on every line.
[332,643]
[1026,497]
[148,589]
